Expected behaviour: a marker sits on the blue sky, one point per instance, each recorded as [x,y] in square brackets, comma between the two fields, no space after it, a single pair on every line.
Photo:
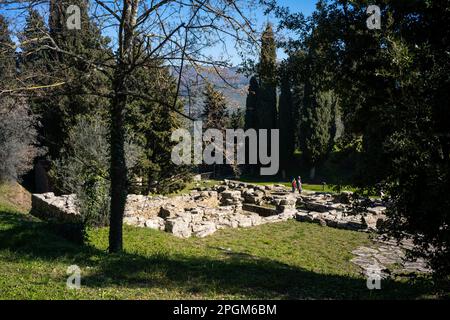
[257,15]
[304,6]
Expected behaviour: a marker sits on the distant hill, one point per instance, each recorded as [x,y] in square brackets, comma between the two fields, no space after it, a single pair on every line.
[232,84]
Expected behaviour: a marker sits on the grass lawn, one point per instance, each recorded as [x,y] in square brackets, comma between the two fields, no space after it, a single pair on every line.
[277,261]
[210,183]
[306,186]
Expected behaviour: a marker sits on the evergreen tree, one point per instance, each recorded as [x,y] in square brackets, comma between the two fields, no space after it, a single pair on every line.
[237,120]
[152,122]
[251,118]
[286,120]
[215,115]
[7,55]
[267,72]
[316,126]
[73,78]
[393,90]
[36,66]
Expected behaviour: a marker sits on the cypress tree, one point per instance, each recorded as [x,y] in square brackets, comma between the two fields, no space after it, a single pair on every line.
[7,54]
[251,120]
[72,97]
[316,125]
[267,72]
[286,120]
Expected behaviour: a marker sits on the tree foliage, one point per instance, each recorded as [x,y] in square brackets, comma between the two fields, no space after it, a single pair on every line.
[18,145]
[83,168]
[251,118]
[266,110]
[215,114]
[392,85]
[152,123]
[286,118]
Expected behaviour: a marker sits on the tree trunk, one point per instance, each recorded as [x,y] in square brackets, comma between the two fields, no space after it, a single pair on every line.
[118,168]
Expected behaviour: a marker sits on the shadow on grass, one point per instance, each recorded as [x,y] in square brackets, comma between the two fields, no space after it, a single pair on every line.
[229,274]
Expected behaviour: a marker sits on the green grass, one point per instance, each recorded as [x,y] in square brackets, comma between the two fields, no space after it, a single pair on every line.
[289,260]
[306,186]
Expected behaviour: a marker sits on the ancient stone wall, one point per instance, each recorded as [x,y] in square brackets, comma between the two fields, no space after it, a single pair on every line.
[228,205]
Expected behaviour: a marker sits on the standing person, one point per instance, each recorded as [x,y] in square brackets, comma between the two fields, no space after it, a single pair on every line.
[294,185]
[299,184]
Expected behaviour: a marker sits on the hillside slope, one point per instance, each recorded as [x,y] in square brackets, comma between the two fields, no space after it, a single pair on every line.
[13,195]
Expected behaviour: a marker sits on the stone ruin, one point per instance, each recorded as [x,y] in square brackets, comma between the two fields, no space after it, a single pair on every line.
[231,204]
[235,204]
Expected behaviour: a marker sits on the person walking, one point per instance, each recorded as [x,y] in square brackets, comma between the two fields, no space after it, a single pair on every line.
[294,185]
[299,185]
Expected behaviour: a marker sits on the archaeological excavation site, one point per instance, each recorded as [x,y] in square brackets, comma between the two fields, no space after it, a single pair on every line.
[230,204]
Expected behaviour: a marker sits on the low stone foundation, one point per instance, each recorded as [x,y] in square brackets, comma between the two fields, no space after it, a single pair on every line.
[49,207]
[228,205]
[387,258]
[262,211]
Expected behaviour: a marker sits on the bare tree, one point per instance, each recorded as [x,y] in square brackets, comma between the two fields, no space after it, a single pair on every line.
[17,138]
[173,31]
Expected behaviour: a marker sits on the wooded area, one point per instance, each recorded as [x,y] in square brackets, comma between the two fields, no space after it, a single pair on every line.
[99,105]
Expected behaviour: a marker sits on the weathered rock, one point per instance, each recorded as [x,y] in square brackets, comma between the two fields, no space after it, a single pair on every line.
[197,215]
[387,257]
[178,227]
[320,221]
[287,215]
[370,221]
[344,197]
[204,229]
[302,216]
[131,221]
[260,210]
[206,210]
[231,194]
[169,211]
[244,221]
[156,223]
[47,206]
[224,223]
[378,210]
[272,219]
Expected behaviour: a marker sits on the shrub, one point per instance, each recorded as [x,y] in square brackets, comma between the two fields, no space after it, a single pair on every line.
[84,168]
[17,138]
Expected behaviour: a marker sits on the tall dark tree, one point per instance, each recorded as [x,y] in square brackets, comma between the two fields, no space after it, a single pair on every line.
[151,122]
[251,116]
[36,65]
[215,116]
[286,119]
[267,73]
[316,126]
[70,78]
[7,54]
